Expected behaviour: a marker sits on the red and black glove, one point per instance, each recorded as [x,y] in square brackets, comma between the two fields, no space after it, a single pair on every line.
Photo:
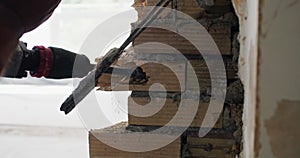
[55,63]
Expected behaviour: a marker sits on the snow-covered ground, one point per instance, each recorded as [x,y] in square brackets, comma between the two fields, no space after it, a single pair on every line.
[46,142]
[35,102]
[31,125]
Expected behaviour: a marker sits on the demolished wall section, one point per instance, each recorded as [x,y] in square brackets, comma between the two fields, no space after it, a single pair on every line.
[224,140]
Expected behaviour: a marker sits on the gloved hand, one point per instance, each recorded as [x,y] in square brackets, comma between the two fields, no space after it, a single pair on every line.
[23,59]
[49,62]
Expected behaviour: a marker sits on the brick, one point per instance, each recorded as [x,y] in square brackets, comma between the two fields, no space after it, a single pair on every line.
[200,68]
[174,75]
[158,73]
[189,7]
[167,112]
[220,33]
[98,149]
[210,147]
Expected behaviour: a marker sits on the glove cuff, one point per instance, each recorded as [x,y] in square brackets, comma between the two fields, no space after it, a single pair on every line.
[46,62]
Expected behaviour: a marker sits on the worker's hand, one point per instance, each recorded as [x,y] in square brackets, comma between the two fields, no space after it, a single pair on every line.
[23,59]
[50,62]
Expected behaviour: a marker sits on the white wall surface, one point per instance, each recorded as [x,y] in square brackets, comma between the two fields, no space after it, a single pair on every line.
[269,67]
[247,12]
[278,80]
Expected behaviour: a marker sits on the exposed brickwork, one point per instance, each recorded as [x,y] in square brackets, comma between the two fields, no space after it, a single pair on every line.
[224,140]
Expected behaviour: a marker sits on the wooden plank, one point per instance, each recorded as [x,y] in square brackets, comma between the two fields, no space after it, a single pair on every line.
[169,109]
[98,149]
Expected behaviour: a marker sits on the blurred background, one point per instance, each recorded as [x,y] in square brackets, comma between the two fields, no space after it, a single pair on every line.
[31,125]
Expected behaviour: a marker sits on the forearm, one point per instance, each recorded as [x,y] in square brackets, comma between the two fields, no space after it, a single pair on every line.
[18,17]
[10,31]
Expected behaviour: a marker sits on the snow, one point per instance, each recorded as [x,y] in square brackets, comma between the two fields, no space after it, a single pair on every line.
[20,141]
[32,126]
[35,102]
[30,120]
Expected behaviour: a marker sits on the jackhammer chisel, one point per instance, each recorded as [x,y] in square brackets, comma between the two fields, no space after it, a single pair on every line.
[88,83]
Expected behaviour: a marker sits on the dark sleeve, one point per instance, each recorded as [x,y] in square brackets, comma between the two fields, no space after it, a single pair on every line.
[11,30]
[31,13]
[18,17]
